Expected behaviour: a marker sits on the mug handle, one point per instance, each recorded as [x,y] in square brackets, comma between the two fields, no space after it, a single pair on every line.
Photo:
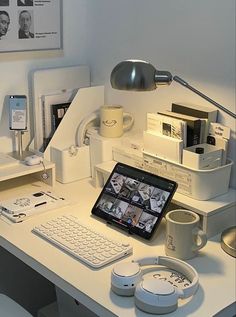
[198,233]
[128,125]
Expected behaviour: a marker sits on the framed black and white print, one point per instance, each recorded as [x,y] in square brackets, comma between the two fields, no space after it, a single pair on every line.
[30,25]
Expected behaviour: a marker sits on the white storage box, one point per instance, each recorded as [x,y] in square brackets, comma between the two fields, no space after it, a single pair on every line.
[72,164]
[197,184]
[208,159]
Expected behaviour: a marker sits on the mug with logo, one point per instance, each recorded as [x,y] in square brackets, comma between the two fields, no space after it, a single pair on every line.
[114,121]
[183,235]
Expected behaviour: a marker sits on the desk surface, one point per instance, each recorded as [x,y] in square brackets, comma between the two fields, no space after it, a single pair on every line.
[92,287]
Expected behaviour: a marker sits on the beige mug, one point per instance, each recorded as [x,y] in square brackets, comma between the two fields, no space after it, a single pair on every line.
[114,121]
[183,235]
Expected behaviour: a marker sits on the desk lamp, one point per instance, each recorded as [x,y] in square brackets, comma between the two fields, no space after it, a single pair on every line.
[139,75]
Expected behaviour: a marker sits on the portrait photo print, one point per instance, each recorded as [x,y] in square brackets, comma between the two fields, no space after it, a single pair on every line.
[27,25]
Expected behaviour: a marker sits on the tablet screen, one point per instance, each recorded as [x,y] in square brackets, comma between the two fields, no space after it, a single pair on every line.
[134,200]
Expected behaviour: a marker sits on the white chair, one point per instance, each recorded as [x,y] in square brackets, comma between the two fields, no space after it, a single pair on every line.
[9,308]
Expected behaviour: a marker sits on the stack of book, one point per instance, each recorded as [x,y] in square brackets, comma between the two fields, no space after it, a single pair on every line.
[206,116]
[183,126]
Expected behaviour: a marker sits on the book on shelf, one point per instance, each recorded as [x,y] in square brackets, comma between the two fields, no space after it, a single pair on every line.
[58,112]
[56,97]
[219,130]
[194,126]
[172,127]
[207,114]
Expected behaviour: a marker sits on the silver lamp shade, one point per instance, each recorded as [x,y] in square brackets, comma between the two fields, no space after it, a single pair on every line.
[138,76]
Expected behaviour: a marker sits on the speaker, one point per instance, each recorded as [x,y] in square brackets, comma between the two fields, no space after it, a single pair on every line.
[153,295]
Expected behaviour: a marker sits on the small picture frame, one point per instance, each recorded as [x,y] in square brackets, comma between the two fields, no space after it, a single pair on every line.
[27,25]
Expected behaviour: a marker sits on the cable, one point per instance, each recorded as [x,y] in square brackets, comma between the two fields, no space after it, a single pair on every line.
[45,175]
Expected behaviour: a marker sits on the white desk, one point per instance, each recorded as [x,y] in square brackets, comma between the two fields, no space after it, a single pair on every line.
[92,287]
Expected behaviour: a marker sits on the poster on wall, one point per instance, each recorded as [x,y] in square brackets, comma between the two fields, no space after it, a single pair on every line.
[30,25]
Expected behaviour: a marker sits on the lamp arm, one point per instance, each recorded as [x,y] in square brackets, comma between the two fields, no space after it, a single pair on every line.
[185,84]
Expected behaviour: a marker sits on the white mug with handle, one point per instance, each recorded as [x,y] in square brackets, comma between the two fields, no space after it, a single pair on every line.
[114,121]
[183,235]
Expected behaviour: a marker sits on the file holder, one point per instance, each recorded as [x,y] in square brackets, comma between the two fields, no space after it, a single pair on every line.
[51,81]
[87,100]
[71,168]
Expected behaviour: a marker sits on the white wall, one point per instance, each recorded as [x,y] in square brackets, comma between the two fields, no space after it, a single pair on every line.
[192,39]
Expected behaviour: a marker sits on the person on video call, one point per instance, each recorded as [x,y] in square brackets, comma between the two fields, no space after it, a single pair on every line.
[24,2]
[4,23]
[25,22]
[4,2]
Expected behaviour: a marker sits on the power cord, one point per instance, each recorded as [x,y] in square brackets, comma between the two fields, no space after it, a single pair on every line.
[45,175]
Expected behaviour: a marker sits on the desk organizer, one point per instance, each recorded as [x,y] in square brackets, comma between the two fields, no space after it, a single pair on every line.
[197,184]
[88,99]
[69,169]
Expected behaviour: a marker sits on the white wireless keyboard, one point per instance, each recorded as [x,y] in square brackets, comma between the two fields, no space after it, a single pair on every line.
[82,242]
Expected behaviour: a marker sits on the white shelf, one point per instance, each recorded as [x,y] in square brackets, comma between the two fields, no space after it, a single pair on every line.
[36,171]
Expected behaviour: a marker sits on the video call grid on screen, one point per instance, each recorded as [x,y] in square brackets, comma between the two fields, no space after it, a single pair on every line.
[136,202]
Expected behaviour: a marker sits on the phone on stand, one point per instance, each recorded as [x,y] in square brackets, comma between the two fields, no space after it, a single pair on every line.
[18,112]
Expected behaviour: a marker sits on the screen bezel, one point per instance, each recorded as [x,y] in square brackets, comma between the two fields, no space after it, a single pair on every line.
[143,178]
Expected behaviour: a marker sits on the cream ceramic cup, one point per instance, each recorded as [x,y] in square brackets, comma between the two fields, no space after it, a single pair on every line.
[183,235]
[114,121]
